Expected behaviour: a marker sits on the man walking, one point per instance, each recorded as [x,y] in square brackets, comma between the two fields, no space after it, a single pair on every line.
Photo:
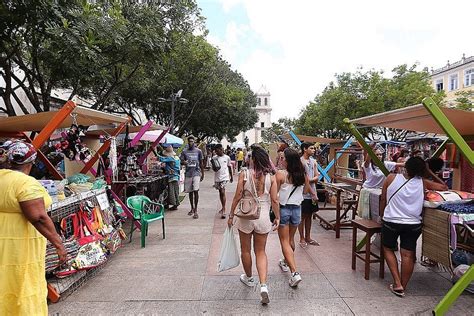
[308,207]
[192,158]
[222,167]
[240,159]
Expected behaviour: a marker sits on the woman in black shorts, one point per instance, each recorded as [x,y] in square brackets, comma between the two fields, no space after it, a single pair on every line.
[401,206]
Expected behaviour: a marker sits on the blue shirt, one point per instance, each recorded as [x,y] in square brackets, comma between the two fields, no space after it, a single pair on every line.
[173,164]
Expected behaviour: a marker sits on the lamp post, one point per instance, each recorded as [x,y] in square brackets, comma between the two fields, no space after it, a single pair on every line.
[173,98]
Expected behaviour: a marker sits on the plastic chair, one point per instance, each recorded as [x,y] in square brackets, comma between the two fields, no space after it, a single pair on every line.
[146,211]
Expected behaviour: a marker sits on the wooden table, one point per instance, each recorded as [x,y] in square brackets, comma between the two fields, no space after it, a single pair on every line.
[338,223]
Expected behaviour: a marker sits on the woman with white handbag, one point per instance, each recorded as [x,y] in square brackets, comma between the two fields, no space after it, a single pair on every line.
[256,191]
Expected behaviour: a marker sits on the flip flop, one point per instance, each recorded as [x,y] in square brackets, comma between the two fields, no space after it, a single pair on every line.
[312,242]
[303,244]
[399,293]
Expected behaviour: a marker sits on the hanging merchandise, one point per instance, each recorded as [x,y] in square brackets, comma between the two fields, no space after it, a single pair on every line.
[113,158]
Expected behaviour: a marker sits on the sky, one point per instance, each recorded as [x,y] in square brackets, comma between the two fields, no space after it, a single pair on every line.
[296,47]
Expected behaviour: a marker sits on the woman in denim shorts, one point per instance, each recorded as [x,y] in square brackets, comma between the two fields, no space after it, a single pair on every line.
[291,182]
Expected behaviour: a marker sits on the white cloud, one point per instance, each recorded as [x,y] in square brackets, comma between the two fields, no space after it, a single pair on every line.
[321,38]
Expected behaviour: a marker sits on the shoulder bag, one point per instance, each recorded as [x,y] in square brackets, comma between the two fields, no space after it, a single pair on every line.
[249,205]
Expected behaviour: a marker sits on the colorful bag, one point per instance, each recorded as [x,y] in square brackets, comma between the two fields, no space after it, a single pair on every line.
[83,230]
[113,241]
[90,256]
[436,198]
[249,204]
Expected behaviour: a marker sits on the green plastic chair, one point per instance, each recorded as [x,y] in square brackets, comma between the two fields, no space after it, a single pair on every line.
[146,211]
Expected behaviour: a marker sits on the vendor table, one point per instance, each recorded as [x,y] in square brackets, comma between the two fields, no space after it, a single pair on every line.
[341,221]
[145,186]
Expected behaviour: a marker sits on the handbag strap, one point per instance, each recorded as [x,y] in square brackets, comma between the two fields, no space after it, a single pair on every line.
[398,190]
[291,193]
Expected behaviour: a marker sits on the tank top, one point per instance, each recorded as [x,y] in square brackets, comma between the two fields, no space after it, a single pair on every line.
[406,205]
[285,190]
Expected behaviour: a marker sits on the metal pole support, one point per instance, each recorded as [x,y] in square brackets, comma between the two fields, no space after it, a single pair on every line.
[449,129]
[367,148]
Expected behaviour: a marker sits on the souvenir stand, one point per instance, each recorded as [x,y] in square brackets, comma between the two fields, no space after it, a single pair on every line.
[344,195]
[440,226]
[87,206]
[133,175]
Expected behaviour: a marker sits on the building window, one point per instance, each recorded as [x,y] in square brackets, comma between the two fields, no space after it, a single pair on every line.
[266,101]
[262,124]
[453,82]
[259,101]
[439,85]
[469,77]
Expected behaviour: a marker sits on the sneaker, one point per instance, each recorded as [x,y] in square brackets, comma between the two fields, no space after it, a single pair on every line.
[249,281]
[283,266]
[295,279]
[264,294]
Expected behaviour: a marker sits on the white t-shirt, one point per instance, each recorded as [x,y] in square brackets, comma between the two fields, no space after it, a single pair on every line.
[374,176]
[405,206]
[223,173]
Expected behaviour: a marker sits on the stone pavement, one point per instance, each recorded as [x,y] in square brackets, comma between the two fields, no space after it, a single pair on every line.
[179,276]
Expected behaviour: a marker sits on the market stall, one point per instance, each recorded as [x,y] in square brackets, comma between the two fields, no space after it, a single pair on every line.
[81,205]
[441,225]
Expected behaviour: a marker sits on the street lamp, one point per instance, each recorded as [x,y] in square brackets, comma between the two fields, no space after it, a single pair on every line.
[173,98]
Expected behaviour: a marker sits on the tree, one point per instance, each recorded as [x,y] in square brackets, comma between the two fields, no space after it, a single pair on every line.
[85,49]
[283,125]
[465,100]
[361,94]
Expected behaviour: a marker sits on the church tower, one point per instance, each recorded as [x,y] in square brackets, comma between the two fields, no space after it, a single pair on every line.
[264,111]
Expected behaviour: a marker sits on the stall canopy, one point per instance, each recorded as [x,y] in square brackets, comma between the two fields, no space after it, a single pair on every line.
[417,118]
[314,139]
[83,116]
[151,136]
[133,130]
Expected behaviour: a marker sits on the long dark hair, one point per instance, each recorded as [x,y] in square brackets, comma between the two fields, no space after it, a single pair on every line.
[415,166]
[261,161]
[294,167]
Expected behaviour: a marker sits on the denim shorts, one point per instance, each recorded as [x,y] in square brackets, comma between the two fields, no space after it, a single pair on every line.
[290,214]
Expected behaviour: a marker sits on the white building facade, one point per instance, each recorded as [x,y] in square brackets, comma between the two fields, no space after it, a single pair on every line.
[264,111]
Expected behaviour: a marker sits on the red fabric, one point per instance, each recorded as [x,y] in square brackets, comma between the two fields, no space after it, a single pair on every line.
[467,173]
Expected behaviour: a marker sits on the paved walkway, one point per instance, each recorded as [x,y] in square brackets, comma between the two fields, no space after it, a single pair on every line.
[179,275]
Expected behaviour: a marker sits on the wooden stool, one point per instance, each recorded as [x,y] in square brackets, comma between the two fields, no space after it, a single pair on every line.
[370,228]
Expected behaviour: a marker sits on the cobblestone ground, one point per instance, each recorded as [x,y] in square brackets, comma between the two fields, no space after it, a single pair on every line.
[178,275]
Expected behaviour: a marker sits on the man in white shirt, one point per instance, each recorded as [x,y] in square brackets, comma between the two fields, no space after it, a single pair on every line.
[222,167]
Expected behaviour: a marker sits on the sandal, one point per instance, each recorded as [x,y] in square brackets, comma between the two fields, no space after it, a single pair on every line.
[312,242]
[303,244]
[195,216]
[191,212]
[399,293]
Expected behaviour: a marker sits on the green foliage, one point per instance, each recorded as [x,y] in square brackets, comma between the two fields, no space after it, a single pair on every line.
[465,100]
[122,56]
[283,125]
[364,93]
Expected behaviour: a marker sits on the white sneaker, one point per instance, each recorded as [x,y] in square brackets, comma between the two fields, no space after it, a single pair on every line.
[283,266]
[264,294]
[295,279]
[249,281]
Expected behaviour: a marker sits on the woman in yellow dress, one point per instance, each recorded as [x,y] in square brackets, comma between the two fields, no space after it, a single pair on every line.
[24,224]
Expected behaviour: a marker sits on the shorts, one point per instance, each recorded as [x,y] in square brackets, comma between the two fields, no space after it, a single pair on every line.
[307,207]
[191,184]
[290,214]
[220,185]
[408,233]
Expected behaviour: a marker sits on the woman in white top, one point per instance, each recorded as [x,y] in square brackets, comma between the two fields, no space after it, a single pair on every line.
[260,171]
[290,183]
[374,178]
[401,205]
